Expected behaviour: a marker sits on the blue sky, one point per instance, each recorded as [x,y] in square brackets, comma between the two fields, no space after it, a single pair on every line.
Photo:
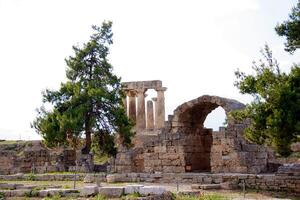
[192,46]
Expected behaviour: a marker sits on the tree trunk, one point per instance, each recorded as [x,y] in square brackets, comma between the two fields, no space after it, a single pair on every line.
[88,139]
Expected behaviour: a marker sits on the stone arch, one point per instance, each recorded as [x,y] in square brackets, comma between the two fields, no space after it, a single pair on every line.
[196,140]
[195,111]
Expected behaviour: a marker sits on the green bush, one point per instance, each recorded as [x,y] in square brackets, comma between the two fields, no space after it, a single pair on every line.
[2,196]
[33,193]
[31,177]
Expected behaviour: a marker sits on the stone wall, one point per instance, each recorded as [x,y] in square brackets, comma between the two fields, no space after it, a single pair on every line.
[33,156]
[185,145]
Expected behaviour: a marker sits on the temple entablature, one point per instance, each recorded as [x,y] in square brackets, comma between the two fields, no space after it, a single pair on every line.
[136,107]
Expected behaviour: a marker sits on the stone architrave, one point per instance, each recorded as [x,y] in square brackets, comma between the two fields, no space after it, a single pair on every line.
[141,119]
[150,115]
[160,108]
[132,105]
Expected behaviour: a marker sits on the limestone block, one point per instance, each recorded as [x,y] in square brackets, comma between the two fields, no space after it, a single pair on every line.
[210,186]
[207,180]
[112,178]
[111,191]
[169,156]
[89,178]
[160,149]
[129,189]
[19,193]
[152,190]
[89,190]
[229,185]
[8,186]
[55,191]
[289,168]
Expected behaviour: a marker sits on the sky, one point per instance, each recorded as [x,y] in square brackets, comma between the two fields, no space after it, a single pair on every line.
[193,46]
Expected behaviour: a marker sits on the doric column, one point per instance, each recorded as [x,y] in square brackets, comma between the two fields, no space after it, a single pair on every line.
[132,105]
[160,110]
[141,120]
[150,116]
[155,112]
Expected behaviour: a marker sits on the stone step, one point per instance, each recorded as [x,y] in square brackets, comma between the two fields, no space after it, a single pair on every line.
[206,186]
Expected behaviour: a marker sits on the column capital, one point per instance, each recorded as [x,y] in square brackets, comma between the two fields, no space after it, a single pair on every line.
[154,99]
[161,89]
[131,93]
[141,90]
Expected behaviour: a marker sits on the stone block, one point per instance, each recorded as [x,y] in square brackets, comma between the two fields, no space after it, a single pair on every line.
[152,190]
[89,190]
[19,193]
[210,186]
[207,180]
[55,191]
[111,191]
[89,178]
[129,189]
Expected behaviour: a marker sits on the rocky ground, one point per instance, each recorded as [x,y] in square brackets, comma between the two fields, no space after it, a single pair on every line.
[185,191]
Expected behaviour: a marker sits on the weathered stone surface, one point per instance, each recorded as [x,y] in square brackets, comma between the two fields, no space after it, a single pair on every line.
[129,189]
[187,146]
[210,186]
[9,186]
[89,190]
[53,192]
[289,168]
[152,190]
[111,191]
[89,178]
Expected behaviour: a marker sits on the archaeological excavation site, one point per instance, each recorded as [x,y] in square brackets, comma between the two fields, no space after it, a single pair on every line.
[179,150]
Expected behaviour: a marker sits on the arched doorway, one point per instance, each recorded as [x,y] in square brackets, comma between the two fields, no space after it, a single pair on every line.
[196,140]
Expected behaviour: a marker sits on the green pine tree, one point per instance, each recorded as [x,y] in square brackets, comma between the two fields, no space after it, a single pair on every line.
[90,102]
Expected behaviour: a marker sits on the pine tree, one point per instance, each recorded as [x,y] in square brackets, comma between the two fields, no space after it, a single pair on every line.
[90,102]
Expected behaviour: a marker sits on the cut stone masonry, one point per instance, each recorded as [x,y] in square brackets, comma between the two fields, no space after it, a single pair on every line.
[183,144]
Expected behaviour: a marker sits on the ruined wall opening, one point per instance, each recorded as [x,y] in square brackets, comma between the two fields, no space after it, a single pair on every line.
[216,119]
[198,140]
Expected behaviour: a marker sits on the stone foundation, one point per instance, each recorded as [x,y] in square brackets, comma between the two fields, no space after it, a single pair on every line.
[277,182]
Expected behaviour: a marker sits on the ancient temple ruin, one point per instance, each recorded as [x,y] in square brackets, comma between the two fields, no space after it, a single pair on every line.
[182,143]
[135,93]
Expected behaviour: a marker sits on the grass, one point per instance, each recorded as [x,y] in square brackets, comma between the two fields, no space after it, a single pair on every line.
[100,197]
[201,197]
[131,196]
[63,184]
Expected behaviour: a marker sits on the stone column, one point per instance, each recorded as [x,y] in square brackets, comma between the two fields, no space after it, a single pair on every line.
[160,110]
[141,120]
[150,116]
[132,105]
[155,112]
